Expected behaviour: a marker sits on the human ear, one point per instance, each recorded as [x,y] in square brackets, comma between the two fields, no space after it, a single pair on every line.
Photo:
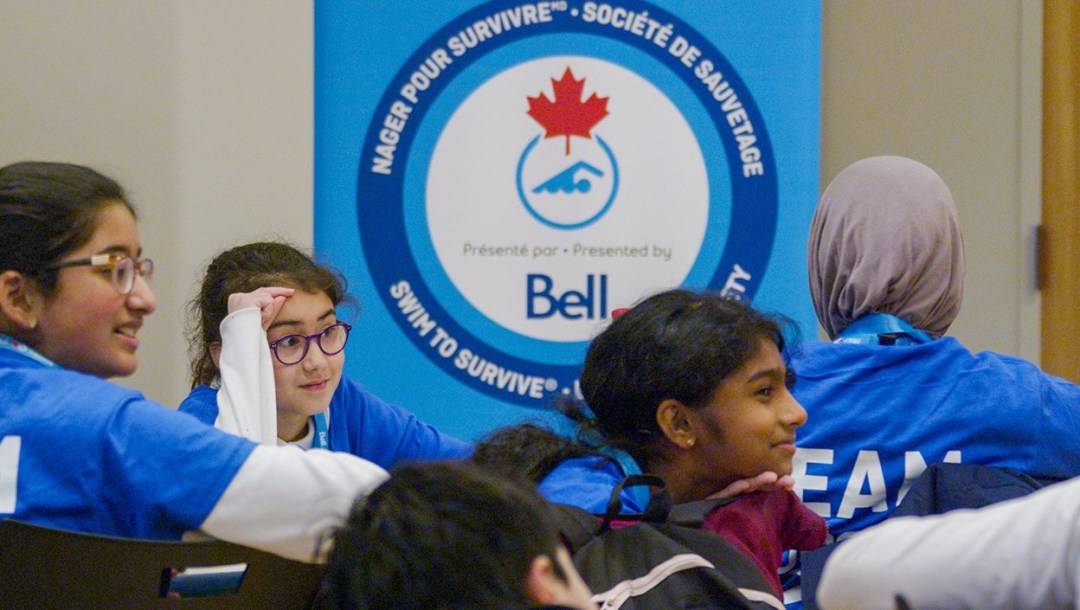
[676,422]
[545,585]
[20,300]
[540,581]
[215,354]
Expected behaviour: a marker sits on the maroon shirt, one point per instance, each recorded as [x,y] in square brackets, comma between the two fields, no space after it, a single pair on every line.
[765,524]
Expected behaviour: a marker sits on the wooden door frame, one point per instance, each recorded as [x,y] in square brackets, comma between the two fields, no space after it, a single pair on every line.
[1059,252]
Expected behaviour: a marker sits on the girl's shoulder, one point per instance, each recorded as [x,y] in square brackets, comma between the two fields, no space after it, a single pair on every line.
[351,395]
[202,404]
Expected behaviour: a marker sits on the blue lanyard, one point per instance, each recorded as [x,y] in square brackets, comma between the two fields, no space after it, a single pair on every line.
[882,329]
[18,347]
[322,439]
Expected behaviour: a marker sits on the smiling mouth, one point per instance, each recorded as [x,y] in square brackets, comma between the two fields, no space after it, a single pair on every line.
[128,338]
[790,444]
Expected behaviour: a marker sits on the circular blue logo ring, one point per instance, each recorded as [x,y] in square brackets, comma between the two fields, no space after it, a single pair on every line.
[382,227]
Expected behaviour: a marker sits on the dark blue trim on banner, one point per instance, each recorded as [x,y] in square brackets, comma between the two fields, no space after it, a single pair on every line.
[381,217]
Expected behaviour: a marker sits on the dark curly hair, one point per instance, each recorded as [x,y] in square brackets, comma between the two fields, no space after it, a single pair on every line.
[527,451]
[243,269]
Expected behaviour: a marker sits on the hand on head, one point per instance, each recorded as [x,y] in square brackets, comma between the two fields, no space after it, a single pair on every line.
[269,300]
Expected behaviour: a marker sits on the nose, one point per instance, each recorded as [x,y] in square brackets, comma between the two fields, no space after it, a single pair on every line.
[314,359]
[142,296]
[791,412]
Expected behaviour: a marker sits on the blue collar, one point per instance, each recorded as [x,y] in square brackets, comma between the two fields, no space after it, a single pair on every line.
[882,329]
[12,345]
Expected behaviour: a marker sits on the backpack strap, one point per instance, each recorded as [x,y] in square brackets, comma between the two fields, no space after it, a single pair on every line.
[629,466]
[692,514]
[659,506]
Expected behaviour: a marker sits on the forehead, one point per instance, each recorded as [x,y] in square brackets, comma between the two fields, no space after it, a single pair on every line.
[765,357]
[305,306]
[114,230]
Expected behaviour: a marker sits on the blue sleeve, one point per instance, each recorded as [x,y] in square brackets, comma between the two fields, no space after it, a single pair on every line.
[201,403]
[384,433]
[99,458]
[161,467]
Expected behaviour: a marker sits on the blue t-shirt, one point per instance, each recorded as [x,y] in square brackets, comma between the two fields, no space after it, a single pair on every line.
[78,452]
[879,414]
[361,424]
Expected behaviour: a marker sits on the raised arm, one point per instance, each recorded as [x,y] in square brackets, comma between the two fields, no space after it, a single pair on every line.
[246,400]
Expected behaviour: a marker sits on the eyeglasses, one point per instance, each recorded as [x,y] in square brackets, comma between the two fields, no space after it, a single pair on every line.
[123,269]
[291,349]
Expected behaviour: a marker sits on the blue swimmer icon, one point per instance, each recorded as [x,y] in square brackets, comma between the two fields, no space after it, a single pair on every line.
[566,182]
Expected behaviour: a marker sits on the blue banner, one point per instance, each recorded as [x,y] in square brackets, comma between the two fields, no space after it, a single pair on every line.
[495,178]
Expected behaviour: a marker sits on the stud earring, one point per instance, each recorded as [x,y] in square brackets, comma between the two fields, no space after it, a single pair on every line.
[32,323]
[689,443]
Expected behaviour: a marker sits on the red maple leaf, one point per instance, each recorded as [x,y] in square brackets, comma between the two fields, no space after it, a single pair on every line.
[567,115]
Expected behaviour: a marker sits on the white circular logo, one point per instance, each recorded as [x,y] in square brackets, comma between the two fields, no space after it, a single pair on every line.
[606,198]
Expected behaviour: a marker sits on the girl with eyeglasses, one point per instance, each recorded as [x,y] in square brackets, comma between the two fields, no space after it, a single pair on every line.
[78,452]
[316,407]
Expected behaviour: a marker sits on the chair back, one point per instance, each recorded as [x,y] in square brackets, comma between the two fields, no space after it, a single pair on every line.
[44,567]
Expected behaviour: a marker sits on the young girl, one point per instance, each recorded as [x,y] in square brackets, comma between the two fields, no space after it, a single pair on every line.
[692,387]
[78,452]
[316,406]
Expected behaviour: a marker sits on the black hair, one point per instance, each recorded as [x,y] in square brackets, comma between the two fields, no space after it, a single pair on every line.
[678,344]
[438,535]
[48,210]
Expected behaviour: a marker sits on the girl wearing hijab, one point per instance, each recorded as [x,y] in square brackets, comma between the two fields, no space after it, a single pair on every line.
[891,393]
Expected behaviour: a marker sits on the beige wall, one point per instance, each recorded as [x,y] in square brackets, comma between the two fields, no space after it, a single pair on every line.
[957,85]
[203,110]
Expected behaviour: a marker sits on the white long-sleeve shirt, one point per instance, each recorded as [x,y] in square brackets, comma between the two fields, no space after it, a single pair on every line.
[1017,554]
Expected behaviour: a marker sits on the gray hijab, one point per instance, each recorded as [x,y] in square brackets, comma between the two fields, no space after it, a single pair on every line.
[885,239]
